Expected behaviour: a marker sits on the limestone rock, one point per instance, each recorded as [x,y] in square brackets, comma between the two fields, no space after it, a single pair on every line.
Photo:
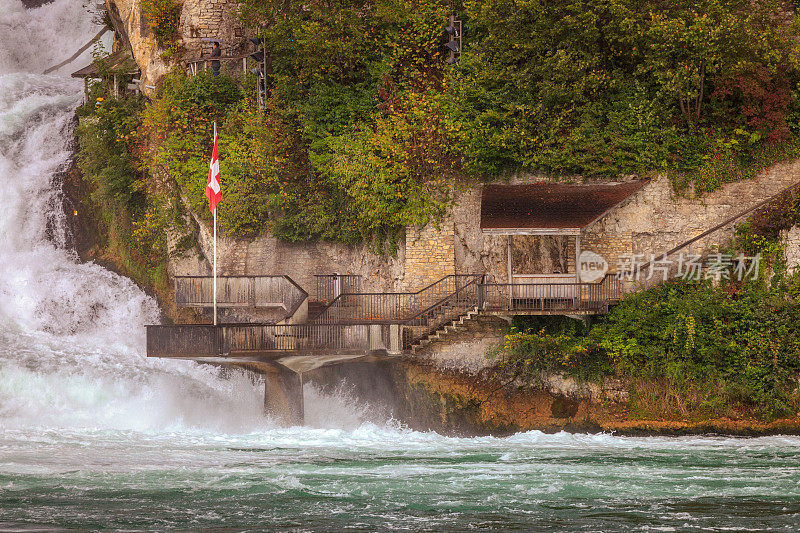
[133,32]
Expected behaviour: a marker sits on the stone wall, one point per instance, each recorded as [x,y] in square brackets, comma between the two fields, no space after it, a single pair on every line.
[211,19]
[651,221]
[609,245]
[429,254]
[199,19]
[266,255]
[467,350]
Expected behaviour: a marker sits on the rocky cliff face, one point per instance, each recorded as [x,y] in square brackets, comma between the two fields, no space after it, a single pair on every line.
[133,32]
[199,22]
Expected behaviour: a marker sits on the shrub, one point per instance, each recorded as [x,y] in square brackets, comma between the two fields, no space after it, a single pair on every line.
[163,16]
[711,349]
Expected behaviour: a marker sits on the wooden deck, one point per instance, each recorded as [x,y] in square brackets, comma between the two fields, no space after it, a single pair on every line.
[378,323]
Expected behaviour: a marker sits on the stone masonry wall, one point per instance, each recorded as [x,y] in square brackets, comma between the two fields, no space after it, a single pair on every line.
[429,254]
[610,246]
[199,19]
[651,221]
[211,19]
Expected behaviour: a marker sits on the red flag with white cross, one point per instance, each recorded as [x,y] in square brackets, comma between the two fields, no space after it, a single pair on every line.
[213,185]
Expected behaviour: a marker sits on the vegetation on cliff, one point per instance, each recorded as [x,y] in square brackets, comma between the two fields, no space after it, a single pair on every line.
[131,210]
[688,350]
[367,129]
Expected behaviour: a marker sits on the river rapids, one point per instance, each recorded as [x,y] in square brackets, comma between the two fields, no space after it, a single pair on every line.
[94,435]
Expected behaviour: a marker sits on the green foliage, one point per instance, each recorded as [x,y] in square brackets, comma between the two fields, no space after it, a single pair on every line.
[367,130]
[539,345]
[714,349]
[622,86]
[355,97]
[163,17]
[107,143]
[132,217]
[326,159]
[748,341]
[181,122]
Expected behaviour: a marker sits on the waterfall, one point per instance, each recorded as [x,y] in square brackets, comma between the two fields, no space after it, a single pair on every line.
[72,334]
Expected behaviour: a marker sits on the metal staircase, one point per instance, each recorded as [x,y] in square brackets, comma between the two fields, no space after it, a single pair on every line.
[453,326]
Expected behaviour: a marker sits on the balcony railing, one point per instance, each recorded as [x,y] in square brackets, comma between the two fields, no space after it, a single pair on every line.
[367,323]
[388,307]
[240,291]
[231,340]
[552,297]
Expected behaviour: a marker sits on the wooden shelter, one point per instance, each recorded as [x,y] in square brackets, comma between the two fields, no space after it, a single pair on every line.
[116,61]
[547,218]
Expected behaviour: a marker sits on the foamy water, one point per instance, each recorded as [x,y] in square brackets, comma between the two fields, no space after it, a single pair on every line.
[93,434]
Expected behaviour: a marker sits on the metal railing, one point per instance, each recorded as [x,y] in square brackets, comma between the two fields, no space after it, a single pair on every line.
[228,64]
[231,340]
[552,297]
[453,306]
[646,267]
[385,307]
[240,291]
[329,286]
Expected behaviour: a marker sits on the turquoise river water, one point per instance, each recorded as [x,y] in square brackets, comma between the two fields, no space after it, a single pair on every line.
[94,435]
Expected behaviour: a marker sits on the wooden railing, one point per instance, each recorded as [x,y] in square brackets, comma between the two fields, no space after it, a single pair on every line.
[228,64]
[385,307]
[240,291]
[552,297]
[329,286]
[231,340]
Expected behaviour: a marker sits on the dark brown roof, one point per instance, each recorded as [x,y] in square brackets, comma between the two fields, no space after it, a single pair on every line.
[550,206]
[114,61]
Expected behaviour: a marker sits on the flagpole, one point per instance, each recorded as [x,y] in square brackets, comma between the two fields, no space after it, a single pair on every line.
[215,246]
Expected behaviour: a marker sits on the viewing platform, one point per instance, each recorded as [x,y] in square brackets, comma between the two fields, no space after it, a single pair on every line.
[357,324]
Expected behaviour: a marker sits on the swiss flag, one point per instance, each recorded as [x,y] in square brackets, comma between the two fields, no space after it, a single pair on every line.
[213,186]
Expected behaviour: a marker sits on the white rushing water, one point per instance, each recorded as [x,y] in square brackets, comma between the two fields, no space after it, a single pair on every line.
[72,335]
[93,434]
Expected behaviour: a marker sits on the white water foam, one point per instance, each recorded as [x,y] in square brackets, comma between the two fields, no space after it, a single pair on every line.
[72,335]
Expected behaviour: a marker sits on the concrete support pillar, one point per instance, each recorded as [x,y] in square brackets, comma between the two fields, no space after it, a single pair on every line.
[395,339]
[376,338]
[283,396]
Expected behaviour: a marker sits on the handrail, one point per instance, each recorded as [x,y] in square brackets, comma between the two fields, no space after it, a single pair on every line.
[552,297]
[339,299]
[296,302]
[201,58]
[328,286]
[448,297]
[726,222]
[265,339]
